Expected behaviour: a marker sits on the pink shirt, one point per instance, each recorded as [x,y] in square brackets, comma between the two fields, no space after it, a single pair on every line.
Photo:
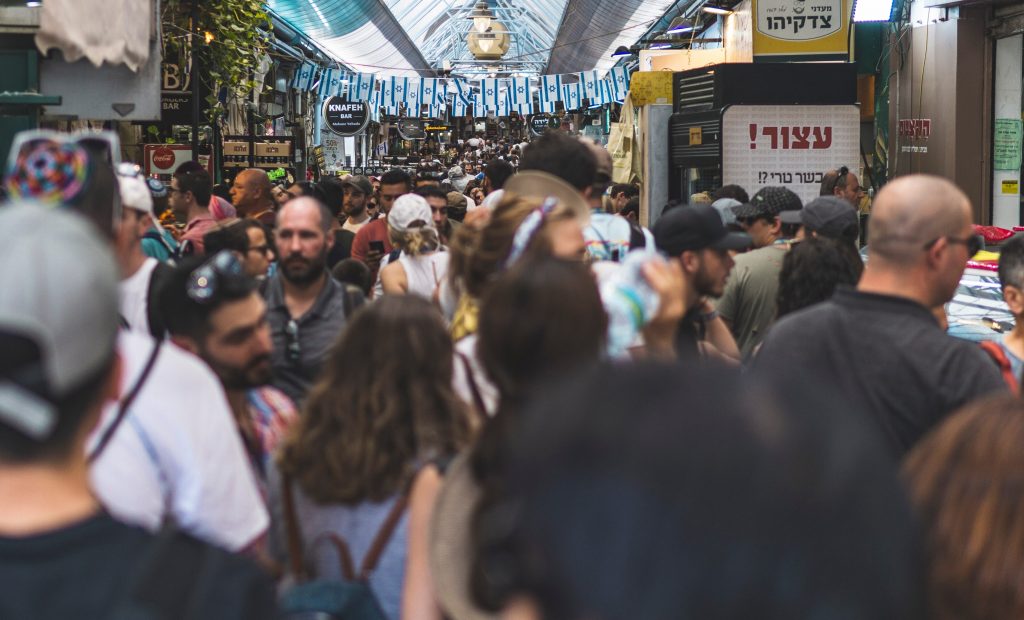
[192,240]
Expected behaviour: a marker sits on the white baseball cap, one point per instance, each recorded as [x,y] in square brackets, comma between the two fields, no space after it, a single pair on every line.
[58,315]
[409,208]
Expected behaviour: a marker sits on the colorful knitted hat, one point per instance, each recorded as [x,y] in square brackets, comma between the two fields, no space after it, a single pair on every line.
[50,172]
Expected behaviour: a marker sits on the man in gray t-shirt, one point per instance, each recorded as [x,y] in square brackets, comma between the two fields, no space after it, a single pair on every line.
[748,303]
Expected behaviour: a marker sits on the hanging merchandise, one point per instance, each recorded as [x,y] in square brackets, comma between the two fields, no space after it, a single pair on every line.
[621,139]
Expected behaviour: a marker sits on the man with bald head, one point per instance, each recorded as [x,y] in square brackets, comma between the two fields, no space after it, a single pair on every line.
[253,197]
[305,306]
[879,346]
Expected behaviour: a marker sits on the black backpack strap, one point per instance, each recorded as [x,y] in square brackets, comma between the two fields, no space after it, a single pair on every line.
[126,403]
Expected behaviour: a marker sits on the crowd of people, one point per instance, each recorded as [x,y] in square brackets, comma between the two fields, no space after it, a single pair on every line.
[419,397]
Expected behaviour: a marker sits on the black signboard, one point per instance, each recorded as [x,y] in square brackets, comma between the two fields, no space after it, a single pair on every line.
[345,118]
[411,129]
[539,123]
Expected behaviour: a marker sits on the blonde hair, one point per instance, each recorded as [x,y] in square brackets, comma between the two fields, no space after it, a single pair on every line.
[415,241]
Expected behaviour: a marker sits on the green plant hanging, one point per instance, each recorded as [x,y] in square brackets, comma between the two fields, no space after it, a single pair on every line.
[228,37]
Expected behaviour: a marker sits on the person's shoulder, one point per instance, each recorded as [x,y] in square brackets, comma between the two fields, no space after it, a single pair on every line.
[805,320]
[212,582]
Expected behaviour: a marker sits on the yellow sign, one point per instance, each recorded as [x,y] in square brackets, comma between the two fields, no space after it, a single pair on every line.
[792,28]
[647,87]
[1011,186]
[696,136]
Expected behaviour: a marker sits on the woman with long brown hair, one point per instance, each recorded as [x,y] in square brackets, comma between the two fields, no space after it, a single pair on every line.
[966,481]
[382,414]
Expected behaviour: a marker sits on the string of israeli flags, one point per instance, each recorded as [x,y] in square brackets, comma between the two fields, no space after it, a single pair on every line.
[500,96]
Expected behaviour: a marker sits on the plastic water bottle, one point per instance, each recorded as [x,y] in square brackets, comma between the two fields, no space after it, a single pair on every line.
[628,299]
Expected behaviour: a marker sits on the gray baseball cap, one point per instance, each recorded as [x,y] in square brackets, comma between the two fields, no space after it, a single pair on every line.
[58,313]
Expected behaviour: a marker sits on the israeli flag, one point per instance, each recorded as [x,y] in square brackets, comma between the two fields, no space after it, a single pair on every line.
[459,107]
[589,84]
[463,90]
[604,93]
[303,79]
[479,105]
[341,84]
[326,86]
[504,101]
[550,92]
[390,96]
[489,89]
[361,86]
[520,91]
[375,106]
[413,101]
[432,92]
[571,96]
[619,78]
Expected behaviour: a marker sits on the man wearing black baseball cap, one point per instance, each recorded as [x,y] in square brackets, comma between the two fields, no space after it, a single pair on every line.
[760,217]
[697,238]
[748,304]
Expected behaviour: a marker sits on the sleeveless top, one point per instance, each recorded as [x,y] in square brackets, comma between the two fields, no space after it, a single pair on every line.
[424,272]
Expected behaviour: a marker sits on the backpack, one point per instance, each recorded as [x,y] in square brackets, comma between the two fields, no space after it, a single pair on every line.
[349,599]
[998,355]
[159,238]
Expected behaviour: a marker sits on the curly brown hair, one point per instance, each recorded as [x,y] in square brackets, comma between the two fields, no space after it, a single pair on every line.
[965,481]
[383,404]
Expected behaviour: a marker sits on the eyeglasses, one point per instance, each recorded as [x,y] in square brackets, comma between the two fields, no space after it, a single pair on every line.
[974,243]
[213,275]
[292,347]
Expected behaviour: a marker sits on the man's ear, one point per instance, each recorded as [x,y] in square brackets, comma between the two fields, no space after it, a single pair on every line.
[690,260]
[777,225]
[186,343]
[1014,298]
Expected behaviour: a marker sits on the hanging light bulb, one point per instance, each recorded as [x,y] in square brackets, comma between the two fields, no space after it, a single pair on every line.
[481,16]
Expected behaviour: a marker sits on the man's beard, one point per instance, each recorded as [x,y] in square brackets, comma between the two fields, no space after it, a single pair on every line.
[303,271]
[254,374]
[355,211]
[705,284]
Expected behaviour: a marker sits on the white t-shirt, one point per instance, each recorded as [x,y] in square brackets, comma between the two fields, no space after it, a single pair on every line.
[134,291]
[177,452]
[354,228]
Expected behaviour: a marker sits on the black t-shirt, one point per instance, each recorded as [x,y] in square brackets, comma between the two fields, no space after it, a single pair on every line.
[90,568]
[885,356]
